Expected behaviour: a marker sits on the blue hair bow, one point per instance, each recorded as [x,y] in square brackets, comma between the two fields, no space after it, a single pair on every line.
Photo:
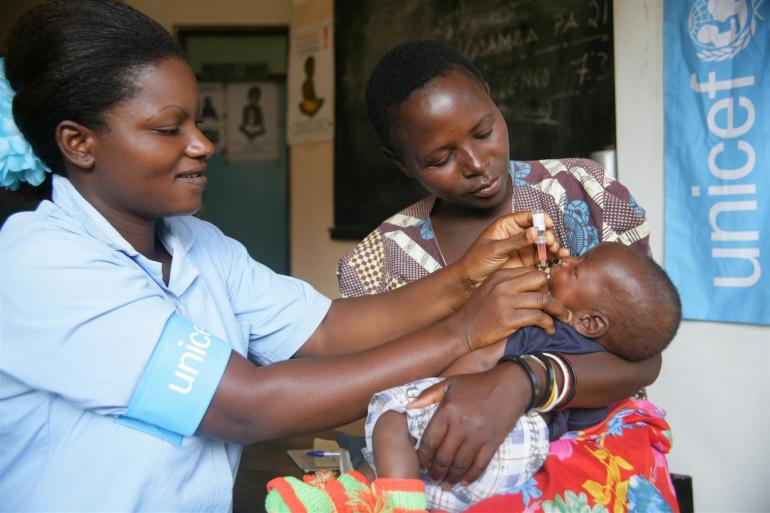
[18,163]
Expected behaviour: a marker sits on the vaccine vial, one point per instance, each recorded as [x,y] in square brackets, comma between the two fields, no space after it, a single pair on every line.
[538,221]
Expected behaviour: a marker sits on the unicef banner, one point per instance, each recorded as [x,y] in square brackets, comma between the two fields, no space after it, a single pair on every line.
[717,157]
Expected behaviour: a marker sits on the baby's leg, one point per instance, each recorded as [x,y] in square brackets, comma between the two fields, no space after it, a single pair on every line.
[393,447]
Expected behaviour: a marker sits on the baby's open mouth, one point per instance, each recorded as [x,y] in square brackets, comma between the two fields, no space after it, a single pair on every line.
[547,267]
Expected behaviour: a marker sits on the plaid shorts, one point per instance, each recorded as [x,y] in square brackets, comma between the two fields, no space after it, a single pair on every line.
[520,455]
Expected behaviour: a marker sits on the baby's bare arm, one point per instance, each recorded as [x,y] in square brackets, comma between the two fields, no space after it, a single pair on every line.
[393,446]
[477,361]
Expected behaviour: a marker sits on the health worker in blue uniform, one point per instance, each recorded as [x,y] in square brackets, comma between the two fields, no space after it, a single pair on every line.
[141,346]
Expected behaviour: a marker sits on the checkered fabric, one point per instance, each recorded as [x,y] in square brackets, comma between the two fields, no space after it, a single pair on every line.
[587,207]
[520,455]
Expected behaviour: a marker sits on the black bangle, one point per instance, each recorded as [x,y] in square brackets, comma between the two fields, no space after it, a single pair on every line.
[530,374]
[550,377]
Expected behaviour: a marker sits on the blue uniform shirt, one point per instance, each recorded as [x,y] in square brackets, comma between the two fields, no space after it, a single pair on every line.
[81,315]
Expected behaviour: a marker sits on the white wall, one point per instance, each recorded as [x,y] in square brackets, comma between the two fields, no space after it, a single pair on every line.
[174,13]
[313,254]
[714,382]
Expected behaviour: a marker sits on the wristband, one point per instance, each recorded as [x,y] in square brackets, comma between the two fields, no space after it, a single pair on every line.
[530,374]
[178,383]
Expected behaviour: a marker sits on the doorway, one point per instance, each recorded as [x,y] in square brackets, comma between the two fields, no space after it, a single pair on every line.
[242,78]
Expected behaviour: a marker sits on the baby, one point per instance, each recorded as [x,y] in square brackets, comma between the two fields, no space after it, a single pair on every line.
[622,302]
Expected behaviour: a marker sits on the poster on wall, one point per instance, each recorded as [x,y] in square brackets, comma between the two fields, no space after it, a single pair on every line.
[717,157]
[311,83]
[253,122]
[212,113]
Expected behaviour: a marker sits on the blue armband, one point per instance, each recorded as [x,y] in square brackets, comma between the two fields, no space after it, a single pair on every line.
[179,382]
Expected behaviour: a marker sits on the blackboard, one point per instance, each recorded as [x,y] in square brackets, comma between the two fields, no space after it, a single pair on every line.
[549,65]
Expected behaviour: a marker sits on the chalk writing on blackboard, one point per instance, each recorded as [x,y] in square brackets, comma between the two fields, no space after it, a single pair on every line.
[549,65]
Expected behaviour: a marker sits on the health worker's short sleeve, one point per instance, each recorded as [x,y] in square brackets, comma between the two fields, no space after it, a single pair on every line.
[79,319]
[279,312]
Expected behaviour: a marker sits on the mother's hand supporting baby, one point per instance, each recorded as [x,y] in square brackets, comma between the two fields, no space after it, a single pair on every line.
[478,410]
[476,413]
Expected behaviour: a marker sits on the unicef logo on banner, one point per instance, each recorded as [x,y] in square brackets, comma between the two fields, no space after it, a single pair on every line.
[722,28]
[717,111]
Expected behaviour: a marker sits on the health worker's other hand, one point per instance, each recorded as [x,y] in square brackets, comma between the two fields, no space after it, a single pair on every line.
[507,242]
[510,299]
[475,414]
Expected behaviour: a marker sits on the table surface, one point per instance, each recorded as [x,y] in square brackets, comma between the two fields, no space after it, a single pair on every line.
[262,462]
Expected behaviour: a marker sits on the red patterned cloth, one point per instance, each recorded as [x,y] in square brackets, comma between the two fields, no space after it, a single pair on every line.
[617,466]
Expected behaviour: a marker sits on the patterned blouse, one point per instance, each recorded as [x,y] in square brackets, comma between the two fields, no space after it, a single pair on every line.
[587,207]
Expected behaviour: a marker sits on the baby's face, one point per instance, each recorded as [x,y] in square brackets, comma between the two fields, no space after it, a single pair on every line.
[581,282]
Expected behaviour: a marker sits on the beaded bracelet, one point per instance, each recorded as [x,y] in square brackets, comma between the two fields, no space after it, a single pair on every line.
[530,374]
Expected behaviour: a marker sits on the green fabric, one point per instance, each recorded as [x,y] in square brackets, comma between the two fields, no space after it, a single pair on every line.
[314,500]
[351,484]
[406,500]
[317,501]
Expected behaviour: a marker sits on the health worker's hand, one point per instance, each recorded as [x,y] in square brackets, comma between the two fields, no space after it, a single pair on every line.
[475,414]
[508,300]
[506,243]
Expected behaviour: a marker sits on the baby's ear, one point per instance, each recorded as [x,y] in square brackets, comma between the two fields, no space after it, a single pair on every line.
[591,323]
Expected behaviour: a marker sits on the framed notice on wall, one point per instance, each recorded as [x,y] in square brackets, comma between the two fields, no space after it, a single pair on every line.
[311,83]
[253,122]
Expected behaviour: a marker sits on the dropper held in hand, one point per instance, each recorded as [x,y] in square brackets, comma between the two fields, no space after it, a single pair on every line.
[538,221]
